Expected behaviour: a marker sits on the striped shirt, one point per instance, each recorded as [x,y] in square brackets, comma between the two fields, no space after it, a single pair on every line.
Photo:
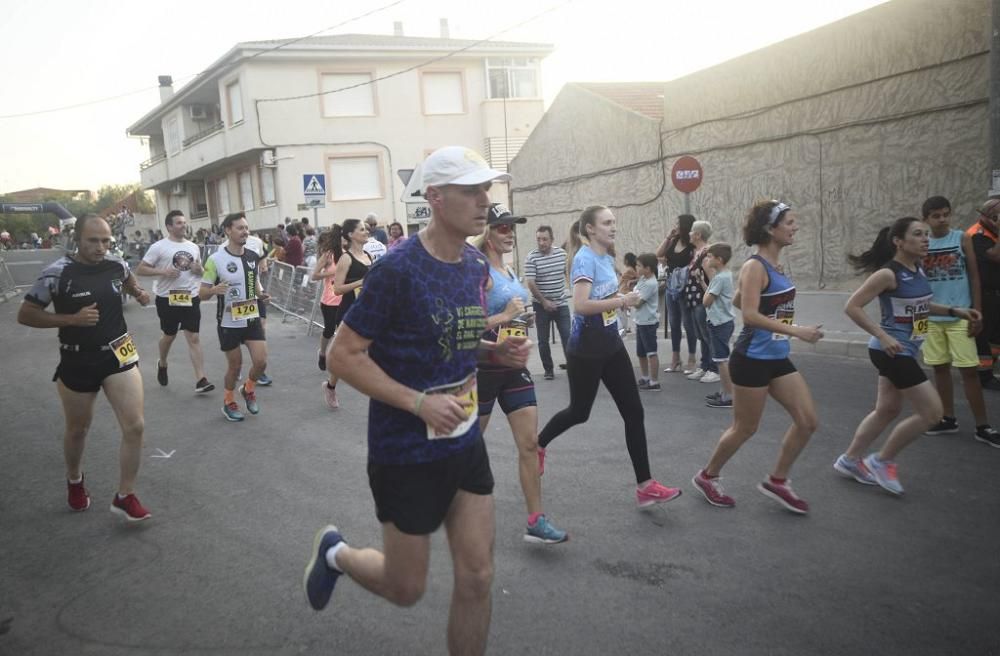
[549,273]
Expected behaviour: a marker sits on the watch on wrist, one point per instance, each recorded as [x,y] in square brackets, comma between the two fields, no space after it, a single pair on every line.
[951,311]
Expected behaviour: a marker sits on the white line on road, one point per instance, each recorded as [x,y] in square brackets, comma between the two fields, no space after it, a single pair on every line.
[162,454]
[25,262]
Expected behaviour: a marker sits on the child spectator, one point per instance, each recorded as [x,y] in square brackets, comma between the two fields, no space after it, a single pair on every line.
[647,319]
[718,302]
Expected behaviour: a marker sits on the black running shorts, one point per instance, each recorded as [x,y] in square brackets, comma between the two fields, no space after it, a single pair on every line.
[232,338]
[902,371]
[416,498]
[85,372]
[173,317]
[756,372]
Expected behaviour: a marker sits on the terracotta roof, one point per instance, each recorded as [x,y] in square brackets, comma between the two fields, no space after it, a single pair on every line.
[645,98]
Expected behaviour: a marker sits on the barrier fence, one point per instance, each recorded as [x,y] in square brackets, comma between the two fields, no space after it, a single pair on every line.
[8,288]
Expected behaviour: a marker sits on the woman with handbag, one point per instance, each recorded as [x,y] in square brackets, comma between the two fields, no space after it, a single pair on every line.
[676,251]
[694,292]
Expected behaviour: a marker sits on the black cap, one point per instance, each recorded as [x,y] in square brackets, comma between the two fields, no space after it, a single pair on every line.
[500,214]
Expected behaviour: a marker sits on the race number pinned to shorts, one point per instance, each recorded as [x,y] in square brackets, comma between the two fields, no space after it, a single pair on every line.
[785,315]
[124,350]
[466,393]
[245,310]
[179,298]
[610,317]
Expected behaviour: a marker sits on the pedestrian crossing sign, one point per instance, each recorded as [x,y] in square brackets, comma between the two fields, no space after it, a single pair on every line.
[314,184]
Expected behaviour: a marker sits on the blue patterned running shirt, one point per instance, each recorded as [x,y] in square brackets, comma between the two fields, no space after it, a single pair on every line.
[777,301]
[595,335]
[425,318]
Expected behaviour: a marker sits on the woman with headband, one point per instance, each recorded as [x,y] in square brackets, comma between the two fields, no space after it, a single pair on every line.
[759,364]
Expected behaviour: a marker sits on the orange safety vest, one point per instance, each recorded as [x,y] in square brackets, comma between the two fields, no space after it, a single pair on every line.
[978,228]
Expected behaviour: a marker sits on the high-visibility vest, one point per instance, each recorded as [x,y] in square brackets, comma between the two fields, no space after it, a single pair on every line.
[979,229]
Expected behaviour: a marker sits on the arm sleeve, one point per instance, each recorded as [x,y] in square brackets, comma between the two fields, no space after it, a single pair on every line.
[152,255]
[584,268]
[46,287]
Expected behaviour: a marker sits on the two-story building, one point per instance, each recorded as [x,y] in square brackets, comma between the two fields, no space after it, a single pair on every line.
[363,110]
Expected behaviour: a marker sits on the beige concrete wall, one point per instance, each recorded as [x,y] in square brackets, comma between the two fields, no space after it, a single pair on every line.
[854,124]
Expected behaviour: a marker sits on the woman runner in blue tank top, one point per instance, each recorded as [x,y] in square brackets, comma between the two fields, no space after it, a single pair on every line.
[759,364]
[905,299]
[513,389]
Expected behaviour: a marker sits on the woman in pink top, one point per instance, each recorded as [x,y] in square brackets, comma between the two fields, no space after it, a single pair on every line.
[330,248]
[396,234]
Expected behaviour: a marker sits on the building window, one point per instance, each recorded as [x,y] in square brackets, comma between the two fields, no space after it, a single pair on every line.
[354,178]
[443,93]
[234,100]
[267,196]
[222,189]
[357,99]
[512,77]
[246,191]
[172,136]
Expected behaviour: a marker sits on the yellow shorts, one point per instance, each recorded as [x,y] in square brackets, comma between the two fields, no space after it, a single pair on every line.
[948,342]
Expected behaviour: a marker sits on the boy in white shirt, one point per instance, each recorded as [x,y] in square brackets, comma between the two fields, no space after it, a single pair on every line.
[718,302]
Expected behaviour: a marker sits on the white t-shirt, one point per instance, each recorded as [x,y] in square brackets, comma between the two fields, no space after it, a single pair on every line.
[374,248]
[180,255]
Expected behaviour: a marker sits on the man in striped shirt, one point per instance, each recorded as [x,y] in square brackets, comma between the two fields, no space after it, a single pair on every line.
[545,275]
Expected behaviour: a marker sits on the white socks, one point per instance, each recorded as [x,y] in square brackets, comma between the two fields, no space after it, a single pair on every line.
[331,556]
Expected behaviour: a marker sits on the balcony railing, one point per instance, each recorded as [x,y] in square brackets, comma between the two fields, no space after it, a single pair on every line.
[204,134]
[500,151]
[152,160]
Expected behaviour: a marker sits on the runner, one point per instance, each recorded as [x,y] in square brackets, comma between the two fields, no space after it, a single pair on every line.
[898,280]
[759,363]
[257,245]
[176,262]
[595,353]
[330,250]
[348,279]
[512,388]
[411,343]
[232,274]
[96,353]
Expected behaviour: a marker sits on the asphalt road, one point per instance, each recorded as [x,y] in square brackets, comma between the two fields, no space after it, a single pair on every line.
[217,569]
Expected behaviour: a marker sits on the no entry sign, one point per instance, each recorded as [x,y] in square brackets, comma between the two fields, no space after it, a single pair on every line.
[686,174]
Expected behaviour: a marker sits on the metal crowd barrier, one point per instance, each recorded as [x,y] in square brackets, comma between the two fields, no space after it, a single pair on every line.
[8,288]
[294,293]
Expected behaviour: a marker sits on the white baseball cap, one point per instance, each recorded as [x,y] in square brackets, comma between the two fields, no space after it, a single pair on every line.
[459,166]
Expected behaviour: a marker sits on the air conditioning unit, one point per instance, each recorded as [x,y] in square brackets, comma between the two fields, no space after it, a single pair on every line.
[178,188]
[267,158]
[198,112]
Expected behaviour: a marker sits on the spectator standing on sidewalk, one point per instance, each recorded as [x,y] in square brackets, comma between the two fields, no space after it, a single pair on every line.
[545,276]
[987,249]
[294,253]
[376,232]
[647,320]
[694,293]
[676,252]
[718,302]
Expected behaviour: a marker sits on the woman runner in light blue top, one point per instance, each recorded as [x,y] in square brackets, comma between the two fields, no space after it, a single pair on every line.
[513,389]
[904,294]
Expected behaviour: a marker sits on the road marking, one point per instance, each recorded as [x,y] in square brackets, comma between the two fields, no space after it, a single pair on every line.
[162,454]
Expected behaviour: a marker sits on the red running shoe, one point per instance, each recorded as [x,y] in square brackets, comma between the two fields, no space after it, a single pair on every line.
[129,508]
[78,498]
[711,489]
[784,495]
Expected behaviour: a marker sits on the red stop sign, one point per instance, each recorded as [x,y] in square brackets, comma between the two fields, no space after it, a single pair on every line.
[686,174]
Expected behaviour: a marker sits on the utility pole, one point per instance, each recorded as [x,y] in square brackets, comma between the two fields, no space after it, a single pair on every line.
[995,100]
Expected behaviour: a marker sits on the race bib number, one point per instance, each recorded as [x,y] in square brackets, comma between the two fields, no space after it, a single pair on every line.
[124,350]
[179,298]
[610,317]
[913,311]
[787,317]
[506,332]
[466,393]
[245,310]
[919,327]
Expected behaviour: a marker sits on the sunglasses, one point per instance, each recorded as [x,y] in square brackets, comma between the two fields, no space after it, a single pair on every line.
[504,228]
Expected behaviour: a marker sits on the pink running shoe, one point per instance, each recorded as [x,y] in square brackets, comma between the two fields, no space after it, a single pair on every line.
[711,489]
[784,495]
[129,508]
[77,496]
[541,461]
[331,396]
[653,492]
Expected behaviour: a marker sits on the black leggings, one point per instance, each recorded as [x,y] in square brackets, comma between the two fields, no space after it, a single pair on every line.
[331,319]
[615,372]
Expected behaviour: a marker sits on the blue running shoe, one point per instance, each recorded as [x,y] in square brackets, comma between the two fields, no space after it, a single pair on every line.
[884,472]
[320,578]
[543,532]
[231,411]
[856,469]
[264,380]
[251,400]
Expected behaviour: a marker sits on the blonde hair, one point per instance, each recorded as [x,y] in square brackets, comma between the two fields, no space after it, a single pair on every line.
[479,241]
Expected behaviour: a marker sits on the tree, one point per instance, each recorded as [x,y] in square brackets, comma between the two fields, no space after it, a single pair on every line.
[110,197]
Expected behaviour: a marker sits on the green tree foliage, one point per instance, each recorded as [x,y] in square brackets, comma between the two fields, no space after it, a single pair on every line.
[108,200]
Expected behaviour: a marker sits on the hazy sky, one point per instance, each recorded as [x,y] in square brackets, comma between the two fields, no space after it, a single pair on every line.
[57,52]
